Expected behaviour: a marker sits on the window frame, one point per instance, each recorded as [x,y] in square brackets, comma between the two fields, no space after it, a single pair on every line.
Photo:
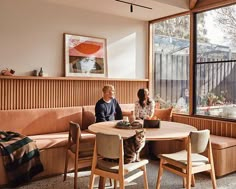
[192,54]
[195,63]
[151,23]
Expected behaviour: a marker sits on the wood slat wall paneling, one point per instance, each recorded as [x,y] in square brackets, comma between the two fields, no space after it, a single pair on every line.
[29,93]
[217,127]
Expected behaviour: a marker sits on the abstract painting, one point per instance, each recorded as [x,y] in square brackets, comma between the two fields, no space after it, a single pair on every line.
[85,56]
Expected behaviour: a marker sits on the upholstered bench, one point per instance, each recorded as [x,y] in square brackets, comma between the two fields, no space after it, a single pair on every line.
[224,154]
[48,127]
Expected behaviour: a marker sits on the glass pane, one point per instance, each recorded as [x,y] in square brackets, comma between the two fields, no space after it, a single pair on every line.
[171,63]
[216,37]
[216,63]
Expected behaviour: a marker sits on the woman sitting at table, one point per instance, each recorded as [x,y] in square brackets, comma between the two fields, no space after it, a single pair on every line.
[144,107]
[182,103]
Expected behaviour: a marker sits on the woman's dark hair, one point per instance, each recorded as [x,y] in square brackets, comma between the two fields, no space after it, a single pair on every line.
[141,96]
[186,98]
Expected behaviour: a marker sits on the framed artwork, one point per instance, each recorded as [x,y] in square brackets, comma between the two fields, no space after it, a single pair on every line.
[85,56]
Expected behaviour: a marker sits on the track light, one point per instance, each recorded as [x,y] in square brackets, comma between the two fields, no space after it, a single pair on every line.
[133,4]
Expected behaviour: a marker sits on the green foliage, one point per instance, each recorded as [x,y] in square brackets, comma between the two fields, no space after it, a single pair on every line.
[225,20]
[179,27]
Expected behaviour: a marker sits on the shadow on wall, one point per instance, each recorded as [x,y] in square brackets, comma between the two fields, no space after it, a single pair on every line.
[122,54]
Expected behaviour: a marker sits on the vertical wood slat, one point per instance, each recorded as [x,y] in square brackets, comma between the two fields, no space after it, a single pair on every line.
[49,93]
[1,93]
[217,127]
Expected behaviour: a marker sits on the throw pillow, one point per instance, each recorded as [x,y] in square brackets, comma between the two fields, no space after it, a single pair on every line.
[164,114]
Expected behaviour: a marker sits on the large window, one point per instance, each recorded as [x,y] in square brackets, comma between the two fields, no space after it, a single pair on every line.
[171,63]
[215,67]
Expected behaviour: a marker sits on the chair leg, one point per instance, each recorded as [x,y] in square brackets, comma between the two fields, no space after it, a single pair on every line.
[184,179]
[160,172]
[110,182]
[193,181]
[102,182]
[75,173]
[66,165]
[184,182]
[189,179]
[91,182]
[115,184]
[213,178]
[145,177]
[122,184]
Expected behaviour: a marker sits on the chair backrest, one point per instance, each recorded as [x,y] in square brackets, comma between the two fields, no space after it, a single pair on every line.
[199,140]
[74,132]
[108,146]
[88,116]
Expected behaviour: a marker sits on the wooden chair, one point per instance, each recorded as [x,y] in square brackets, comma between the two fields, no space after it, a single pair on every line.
[187,163]
[111,146]
[80,149]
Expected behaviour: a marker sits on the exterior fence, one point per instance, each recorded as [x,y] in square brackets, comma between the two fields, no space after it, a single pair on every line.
[171,75]
[217,77]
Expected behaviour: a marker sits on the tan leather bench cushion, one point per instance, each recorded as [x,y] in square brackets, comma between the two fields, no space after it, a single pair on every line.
[55,140]
[39,121]
[51,140]
[127,107]
[220,142]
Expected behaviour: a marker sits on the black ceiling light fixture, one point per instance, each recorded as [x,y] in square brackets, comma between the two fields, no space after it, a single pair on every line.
[133,4]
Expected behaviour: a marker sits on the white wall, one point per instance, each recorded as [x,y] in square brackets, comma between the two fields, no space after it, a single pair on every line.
[31,36]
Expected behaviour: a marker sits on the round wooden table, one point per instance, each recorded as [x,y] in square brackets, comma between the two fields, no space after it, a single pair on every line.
[167,131]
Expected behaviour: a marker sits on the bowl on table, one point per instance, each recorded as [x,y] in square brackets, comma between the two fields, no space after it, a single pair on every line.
[128,125]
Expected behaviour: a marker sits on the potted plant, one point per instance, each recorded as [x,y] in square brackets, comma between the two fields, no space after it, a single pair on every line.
[211,99]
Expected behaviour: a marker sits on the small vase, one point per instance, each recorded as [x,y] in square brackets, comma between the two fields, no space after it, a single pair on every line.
[35,72]
[41,72]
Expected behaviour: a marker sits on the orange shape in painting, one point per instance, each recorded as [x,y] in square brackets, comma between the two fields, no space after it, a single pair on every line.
[88,48]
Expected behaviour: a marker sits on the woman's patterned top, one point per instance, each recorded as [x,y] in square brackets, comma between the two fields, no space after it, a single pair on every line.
[146,111]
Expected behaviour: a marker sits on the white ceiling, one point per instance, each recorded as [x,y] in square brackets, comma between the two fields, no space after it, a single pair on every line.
[160,8]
